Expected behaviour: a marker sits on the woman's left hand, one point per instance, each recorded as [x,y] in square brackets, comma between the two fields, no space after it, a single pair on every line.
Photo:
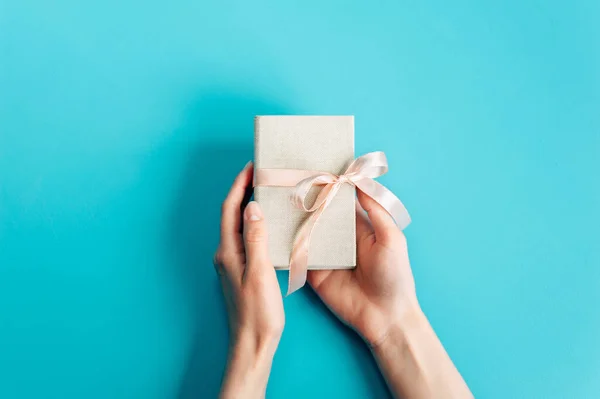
[251,291]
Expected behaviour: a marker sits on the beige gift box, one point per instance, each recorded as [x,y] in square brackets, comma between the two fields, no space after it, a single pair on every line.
[322,143]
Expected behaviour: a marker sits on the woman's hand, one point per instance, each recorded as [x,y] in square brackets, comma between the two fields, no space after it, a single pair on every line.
[378,300]
[381,290]
[251,291]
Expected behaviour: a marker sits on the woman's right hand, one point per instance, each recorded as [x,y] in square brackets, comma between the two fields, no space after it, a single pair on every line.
[381,290]
[378,300]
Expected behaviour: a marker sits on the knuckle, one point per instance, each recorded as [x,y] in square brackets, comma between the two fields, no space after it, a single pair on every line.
[255,234]
[401,238]
[218,257]
[227,259]
[275,327]
[218,263]
[395,234]
[223,258]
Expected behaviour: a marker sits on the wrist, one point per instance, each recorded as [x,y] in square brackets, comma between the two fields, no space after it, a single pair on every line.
[248,366]
[390,324]
[260,348]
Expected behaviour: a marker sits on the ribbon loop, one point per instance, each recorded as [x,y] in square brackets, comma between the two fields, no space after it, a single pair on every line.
[360,173]
[300,194]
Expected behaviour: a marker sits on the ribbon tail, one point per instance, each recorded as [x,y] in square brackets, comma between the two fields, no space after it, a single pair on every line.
[386,199]
[299,256]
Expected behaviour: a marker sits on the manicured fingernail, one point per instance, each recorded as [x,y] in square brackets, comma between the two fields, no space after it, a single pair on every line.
[253,212]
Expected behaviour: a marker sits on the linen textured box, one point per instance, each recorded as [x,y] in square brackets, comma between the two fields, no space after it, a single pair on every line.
[321,143]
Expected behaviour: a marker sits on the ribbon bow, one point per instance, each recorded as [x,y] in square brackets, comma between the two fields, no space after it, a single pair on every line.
[360,174]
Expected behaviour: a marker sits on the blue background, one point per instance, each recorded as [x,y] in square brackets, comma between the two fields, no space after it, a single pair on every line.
[112,113]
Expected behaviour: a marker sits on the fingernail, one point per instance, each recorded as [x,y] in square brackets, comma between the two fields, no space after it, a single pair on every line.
[253,212]
[247,165]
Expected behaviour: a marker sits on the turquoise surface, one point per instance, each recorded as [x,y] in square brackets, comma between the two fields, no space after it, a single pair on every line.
[122,125]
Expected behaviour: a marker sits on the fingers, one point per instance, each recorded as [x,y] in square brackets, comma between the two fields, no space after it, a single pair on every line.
[316,277]
[231,240]
[363,226]
[229,258]
[335,288]
[383,223]
[255,239]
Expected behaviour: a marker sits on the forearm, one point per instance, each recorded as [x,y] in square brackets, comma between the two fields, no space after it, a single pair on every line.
[248,369]
[415,364]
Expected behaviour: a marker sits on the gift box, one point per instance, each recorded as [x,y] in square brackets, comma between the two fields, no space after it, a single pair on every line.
[305,177]
[311,143]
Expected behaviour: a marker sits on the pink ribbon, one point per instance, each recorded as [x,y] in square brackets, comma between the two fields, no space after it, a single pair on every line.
[360,174]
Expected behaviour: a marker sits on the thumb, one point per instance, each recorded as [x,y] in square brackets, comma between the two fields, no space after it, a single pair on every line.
[383,223]
[255,237]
